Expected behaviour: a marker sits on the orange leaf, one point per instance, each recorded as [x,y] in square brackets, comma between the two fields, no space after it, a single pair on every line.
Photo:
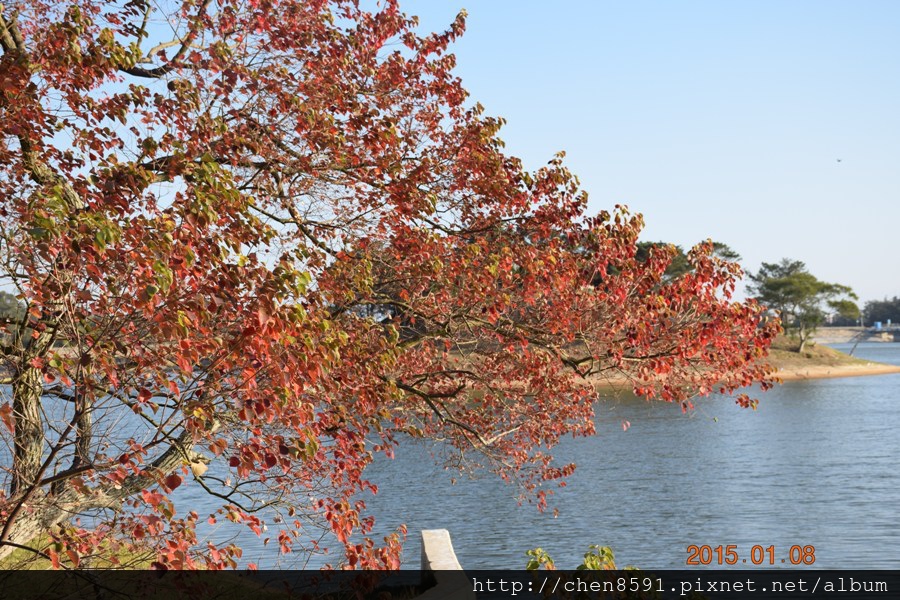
[6,415]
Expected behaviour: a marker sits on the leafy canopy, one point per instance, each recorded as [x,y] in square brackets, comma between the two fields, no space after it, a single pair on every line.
[259,242]
[883,310]
[799,297]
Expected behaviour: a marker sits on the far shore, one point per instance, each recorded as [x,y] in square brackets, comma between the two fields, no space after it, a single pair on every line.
[825,371]
[817,361]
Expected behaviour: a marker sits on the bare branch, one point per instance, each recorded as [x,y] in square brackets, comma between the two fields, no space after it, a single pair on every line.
[173,63]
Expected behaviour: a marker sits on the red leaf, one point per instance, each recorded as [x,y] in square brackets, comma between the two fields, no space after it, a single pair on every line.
[173,481]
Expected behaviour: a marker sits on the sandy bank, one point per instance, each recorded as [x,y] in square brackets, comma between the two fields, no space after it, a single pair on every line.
[816,362]
[824,371]
[794,373]
[819,361]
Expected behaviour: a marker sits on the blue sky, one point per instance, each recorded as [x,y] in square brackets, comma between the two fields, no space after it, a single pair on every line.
[723,120]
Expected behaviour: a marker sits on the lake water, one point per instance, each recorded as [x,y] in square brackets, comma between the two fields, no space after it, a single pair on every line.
[815,465]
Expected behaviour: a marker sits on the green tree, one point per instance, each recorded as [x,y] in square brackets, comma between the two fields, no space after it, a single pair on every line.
[680,263]
[11,311]
[883,310]
[10,307]
[799,297]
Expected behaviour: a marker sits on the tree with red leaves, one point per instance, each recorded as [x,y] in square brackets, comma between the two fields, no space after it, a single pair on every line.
[258,243]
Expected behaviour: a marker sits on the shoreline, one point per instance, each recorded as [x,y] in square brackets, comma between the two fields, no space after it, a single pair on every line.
[796,373]
[819,362]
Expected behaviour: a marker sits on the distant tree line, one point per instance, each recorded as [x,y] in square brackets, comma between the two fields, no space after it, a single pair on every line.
[882,310]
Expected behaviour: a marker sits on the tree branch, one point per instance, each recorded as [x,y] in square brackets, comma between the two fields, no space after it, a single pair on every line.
[173,63]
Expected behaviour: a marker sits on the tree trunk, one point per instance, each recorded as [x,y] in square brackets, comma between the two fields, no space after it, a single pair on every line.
[29,436]
[43,510]
[803,334]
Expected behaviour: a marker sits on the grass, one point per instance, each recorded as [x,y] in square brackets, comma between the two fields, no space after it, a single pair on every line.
[785,354]
[25,560]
